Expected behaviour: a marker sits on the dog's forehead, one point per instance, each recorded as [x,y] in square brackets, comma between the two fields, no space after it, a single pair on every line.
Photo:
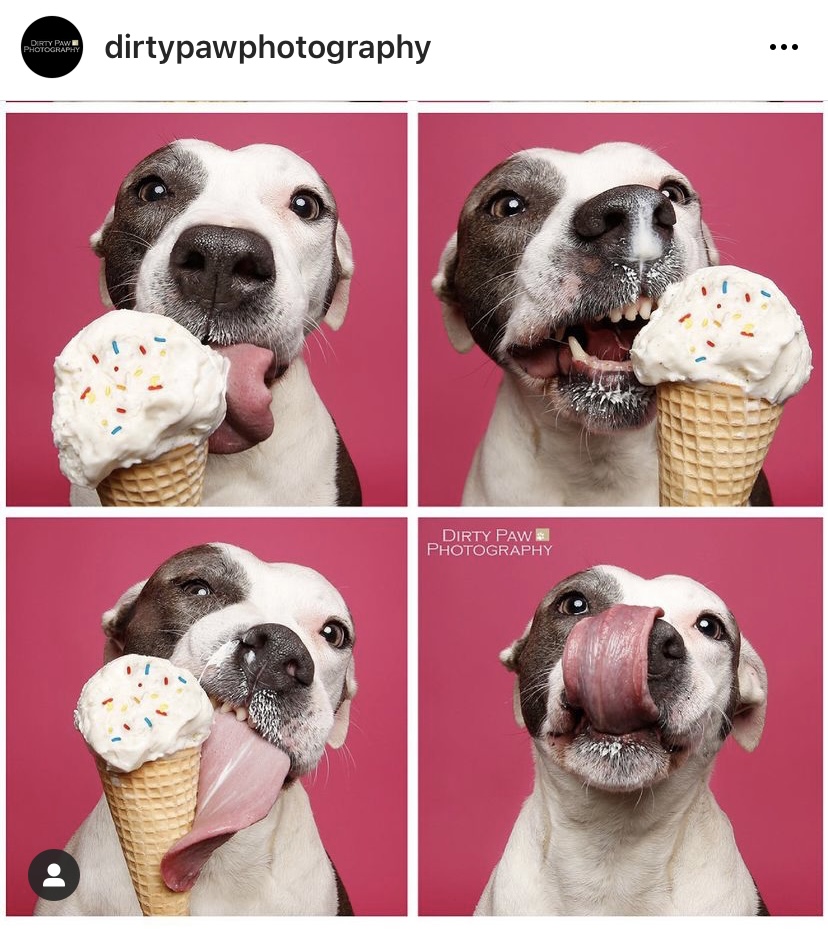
[676,594]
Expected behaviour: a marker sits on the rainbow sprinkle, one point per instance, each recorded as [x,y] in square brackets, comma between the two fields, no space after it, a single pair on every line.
[764,293]
[148,721]
[116,739]
[182,679]
[701,358]
[748,334]
[158,338]
[724,287]
[115,347]
[116,430]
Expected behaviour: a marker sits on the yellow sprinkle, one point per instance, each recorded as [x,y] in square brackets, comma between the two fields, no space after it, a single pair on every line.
[704,322]
[692,349]
[153,696]
[764,306]
[139,372]
[104,422]
[163,352]
[109,729]
[121,386]
[180,690]
[717,323]
[109,708]
[124,708]
[155,379]
[737,315]
[748,327]
[688,323]
[163,706]
[90,397]
[108,391]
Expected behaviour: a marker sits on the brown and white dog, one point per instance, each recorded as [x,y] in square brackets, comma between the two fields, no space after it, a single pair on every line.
[628,688]
[557,262]
[272,646]
[245,249]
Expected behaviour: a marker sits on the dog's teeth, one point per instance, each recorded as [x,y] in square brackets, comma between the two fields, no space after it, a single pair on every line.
[630,312]
[577,352]
[241,713]
[225,707]
[645,307]
[615,315]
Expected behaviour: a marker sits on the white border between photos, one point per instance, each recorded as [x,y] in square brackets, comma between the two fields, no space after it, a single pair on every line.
[412,512]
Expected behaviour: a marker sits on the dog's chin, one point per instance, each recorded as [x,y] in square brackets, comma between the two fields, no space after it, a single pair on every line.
[616,763]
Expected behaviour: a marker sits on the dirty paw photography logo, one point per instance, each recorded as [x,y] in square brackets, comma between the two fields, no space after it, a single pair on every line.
[51,46]
[496,542]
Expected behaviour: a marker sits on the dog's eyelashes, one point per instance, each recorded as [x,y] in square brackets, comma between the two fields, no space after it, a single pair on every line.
[196,588]
[573,604]
[306,205]
[152,189]
[710,626]
[336,634]
[676,192]
[506,204]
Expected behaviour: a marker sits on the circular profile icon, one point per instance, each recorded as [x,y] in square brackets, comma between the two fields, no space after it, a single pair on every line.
[51,46]
[54,874]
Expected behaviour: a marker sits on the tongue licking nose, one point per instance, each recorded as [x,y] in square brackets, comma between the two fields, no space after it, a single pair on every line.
[605,667]
[248,420]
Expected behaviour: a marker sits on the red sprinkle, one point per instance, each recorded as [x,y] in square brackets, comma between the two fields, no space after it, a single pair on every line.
[748,334]
[140,684]
[116,368]
[166,681]
[747,298]
[96,359]
[104,702]
[83,395]
[126,726]
[704,291]
[129,670]
[711,344]
[160,713]
[143,350]
[157,387]
[119,409]
[686,316]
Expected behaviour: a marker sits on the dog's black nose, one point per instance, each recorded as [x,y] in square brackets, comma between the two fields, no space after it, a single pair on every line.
[273,656]
[611,220]
[220,267]
[666,660]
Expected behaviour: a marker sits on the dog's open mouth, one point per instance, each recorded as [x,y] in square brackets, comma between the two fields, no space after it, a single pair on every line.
[597,348]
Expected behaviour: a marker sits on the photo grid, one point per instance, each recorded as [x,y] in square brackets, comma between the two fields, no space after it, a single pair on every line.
[504,680]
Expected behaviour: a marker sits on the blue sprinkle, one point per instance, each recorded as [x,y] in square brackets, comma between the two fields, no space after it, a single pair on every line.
[764,293]
[116,739]
[701,358]
[146,669]
[115,348]
[724,287]
[147,721]
[182,679]
[158,338]
[116,430]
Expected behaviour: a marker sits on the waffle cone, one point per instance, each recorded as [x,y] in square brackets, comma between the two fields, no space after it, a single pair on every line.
[173,479]
[152,808]
[711,443]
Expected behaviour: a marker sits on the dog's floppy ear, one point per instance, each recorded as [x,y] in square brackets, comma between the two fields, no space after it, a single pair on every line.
[510,659]
[749,715]
[96,241]
[709,245]
[335,314]
[443,286]
[343,712]
[115,620]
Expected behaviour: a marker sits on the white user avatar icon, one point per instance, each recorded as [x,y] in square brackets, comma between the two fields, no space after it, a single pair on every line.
[53,880]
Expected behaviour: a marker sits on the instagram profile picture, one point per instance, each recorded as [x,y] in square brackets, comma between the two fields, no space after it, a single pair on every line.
[51,46]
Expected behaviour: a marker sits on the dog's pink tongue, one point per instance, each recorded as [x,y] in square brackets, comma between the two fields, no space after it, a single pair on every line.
[248,420]
[605,668]
[240,778]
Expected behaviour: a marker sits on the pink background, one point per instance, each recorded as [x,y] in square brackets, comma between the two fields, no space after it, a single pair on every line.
[475,764]
[760,179]
[62,575]
[63,174]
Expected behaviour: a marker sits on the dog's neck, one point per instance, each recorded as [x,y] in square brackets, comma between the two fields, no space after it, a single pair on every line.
[639,853]
[538,456]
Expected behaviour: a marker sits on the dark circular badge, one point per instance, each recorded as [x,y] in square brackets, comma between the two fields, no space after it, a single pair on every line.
[54,874]
[51,46]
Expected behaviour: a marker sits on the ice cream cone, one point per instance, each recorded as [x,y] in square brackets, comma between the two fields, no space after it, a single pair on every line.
[152,808]
[173,479]
[712,440]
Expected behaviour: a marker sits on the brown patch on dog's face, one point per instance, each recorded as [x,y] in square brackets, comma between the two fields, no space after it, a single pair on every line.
[184,589]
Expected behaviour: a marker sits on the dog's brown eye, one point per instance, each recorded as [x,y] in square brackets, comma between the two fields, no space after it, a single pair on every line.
[675,193]
[710,626]
[153,189]
[196,588]
[306,205]
[573,604]
[335,634]
[507,204]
